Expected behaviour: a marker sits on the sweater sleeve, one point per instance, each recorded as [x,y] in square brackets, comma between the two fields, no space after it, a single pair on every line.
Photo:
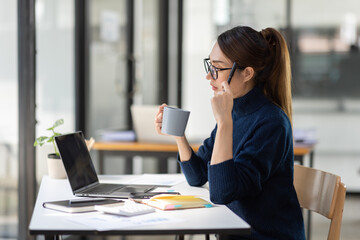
[196,169]
[253,163]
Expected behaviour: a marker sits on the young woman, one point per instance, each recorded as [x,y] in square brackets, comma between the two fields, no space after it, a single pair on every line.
[248,158]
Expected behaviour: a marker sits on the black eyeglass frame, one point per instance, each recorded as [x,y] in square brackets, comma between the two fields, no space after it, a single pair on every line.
[208,68]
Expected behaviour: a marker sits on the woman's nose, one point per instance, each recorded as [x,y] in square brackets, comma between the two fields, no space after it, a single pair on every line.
[208,76]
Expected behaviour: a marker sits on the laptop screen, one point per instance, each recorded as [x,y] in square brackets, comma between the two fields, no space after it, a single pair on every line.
[77,161]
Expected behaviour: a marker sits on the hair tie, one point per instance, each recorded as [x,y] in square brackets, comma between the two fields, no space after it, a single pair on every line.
[268,36]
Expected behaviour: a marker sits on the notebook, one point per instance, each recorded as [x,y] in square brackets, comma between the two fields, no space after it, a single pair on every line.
[81,171]
[143,117]
[81,205]
[175,202]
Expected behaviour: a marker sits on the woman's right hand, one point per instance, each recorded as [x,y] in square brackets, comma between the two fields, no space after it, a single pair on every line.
[182,143]
[158,119]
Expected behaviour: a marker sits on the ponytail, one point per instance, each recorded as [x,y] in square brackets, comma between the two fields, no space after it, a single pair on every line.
[276,76]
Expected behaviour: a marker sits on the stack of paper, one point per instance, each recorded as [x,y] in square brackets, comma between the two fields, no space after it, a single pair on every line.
[173,202]
[116,135]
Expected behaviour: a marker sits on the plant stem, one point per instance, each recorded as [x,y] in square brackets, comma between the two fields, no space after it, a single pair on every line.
[56,152]
[53,141]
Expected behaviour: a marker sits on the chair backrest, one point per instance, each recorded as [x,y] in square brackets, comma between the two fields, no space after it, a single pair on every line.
[321,192]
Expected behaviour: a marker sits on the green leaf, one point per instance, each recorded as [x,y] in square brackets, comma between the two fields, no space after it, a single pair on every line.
[51,139]
[43,139]
[40,141]
[58,123]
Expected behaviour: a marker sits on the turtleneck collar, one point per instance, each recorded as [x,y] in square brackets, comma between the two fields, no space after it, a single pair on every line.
[250,102]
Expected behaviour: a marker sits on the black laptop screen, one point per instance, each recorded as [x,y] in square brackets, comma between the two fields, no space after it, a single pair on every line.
[77,161]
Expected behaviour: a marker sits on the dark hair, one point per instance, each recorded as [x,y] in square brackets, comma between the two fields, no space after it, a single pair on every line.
[267,53]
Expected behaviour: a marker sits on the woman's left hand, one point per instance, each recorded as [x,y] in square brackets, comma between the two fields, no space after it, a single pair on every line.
[222,104]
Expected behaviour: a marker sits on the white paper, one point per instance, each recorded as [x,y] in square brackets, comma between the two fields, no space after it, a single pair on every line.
[159,179]
[109,26]
[106,222]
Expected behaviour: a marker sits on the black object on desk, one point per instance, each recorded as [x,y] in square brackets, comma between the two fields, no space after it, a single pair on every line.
[80,205]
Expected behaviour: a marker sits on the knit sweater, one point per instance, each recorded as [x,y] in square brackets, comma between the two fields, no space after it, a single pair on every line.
[257,183]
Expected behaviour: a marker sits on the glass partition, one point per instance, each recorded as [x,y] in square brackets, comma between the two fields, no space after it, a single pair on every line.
[8,121]
[54,72]
[108,79]
[108,107]
[327,50]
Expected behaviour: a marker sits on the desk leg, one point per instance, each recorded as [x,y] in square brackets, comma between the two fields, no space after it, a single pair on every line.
[162,165]
[129,165]
[222,237]
[180,237]
[101,161]
[53,237]
[299,159]
[178,168]
[311,162]
[308,233]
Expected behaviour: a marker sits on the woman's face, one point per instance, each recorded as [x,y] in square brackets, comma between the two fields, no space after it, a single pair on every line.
[239,85]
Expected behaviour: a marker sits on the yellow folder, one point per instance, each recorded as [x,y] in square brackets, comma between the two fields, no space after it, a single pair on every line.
[173,202]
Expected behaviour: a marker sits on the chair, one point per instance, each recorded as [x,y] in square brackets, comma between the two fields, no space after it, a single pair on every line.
[321,192]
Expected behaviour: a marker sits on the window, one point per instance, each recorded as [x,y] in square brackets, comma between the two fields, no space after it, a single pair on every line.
[55,97]
[9,120]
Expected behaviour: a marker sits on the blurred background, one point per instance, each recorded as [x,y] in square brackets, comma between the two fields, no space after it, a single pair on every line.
[151,51]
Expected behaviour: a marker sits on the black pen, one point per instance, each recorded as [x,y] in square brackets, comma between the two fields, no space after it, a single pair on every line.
[232,72]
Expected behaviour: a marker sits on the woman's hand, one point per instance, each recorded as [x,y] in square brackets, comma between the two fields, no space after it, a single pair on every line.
[158,119]
[182,143]
[222,104]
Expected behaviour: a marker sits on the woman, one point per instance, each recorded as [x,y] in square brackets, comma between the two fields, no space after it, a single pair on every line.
[248,159]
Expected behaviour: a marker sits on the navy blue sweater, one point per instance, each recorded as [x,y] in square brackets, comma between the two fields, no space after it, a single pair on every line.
[257,183]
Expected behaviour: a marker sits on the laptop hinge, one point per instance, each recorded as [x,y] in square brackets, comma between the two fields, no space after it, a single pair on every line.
[86,187]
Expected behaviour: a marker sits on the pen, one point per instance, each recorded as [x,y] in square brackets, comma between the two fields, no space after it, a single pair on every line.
[232,72]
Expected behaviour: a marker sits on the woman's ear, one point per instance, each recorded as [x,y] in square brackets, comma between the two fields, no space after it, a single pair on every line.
[248,73]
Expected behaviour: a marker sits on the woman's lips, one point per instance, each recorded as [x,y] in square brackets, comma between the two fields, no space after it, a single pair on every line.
[213,87]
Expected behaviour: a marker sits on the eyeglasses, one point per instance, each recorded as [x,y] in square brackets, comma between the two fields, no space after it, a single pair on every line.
[214,70]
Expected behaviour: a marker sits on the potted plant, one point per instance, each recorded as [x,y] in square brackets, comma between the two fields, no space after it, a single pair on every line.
[55,165]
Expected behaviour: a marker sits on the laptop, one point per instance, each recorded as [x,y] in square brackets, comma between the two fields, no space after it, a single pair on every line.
[81,172]
[143,121]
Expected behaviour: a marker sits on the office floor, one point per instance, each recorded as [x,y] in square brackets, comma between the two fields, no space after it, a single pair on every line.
[320,225]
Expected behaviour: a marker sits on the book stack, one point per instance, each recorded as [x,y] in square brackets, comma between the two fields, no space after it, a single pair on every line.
[174,202]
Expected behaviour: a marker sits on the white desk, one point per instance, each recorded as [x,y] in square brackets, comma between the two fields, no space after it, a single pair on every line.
[215,220]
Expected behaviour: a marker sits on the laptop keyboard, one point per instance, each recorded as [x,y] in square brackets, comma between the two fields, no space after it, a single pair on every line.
[103,189]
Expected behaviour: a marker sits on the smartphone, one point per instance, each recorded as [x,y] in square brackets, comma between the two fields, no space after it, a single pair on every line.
[232,72]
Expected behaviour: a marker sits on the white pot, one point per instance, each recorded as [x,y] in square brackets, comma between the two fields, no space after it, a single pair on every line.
[55,167]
